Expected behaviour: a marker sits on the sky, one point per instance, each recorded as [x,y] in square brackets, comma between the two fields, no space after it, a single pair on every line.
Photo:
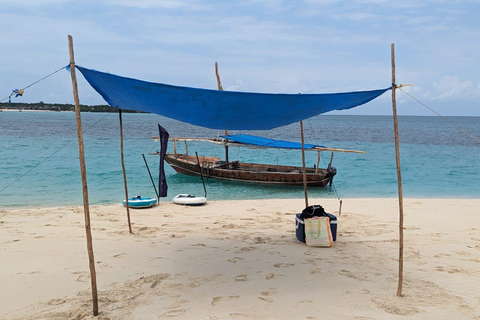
[274,46]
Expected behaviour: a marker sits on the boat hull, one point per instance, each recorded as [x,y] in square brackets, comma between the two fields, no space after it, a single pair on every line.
[212,167]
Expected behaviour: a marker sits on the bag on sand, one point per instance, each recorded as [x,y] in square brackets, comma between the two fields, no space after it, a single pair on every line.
[317,232]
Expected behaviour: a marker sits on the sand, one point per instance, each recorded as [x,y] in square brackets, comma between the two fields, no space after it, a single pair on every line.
[241,260]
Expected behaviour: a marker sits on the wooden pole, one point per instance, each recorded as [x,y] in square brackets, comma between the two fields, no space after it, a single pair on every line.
[399,176]
[83,171]
[124,172]
[304,168]
[219,83]
[220,88]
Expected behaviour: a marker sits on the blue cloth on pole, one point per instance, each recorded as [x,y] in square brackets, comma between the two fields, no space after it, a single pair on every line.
[220,109]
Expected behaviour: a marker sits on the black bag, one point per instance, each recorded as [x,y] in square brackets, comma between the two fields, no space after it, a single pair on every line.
[313,211]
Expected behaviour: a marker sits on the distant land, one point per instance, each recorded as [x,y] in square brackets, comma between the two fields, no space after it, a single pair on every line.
[41,106]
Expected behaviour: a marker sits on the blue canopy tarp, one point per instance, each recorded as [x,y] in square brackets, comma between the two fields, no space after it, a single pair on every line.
[268,143]
[220,109]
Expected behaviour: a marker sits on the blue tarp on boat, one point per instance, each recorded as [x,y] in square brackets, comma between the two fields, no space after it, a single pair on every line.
[220,109]
[267,143]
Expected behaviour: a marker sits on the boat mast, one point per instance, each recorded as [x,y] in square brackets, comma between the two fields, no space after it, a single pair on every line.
[219,84]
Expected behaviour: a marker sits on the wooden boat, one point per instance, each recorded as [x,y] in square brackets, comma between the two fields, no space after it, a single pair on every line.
[214,167]
[269,174]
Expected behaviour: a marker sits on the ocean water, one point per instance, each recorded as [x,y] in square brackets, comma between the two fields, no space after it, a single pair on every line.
[39,163]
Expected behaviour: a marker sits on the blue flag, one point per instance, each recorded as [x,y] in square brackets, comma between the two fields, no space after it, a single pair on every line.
[162,181]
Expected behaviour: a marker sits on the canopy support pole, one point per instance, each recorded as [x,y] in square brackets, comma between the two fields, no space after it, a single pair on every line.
[220,88]
[318,161]
[83,171]
[303,163]
[124,172]
[399,177]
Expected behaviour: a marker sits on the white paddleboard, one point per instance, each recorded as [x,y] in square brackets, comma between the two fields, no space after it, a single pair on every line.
[189,200]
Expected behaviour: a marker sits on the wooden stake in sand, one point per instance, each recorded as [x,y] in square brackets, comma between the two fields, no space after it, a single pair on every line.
[83,172]
[303,162]
[124,172]
[399,177]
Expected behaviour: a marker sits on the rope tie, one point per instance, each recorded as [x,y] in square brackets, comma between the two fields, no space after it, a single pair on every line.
[438,114]
[19,92]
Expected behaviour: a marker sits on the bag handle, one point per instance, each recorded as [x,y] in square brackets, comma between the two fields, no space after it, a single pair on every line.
[311,228]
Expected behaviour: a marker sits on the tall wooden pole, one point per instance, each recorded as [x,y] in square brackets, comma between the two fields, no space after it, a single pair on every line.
[124,172]
[304,168]
[399,177]
[219,85]
[83,171]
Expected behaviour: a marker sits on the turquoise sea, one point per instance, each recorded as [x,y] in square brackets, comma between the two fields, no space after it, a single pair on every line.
[39,163]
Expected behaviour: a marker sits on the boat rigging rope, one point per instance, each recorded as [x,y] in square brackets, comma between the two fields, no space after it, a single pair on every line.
[19,92]
[332,184]
[438,114]
[56,151]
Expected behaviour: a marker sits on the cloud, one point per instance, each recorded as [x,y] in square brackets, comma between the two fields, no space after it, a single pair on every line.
[451,87]
[29,3]
[147,4]
[237,87]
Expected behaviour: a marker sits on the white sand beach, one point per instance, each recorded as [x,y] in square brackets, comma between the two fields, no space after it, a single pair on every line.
[241,260]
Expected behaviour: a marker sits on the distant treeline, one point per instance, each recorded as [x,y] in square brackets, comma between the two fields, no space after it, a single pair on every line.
[59,107]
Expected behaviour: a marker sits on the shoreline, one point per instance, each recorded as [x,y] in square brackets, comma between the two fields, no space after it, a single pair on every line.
[240,259]
[169,201]
[30,110]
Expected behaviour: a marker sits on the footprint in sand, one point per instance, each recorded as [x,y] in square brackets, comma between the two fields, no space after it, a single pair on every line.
[198,245]
[283,265]
[270,276]
[265,299]
[449,270]
[241,277]
[235,260]
[266,294]
[82,276]
[220,299]
[347,274]
[173,313]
